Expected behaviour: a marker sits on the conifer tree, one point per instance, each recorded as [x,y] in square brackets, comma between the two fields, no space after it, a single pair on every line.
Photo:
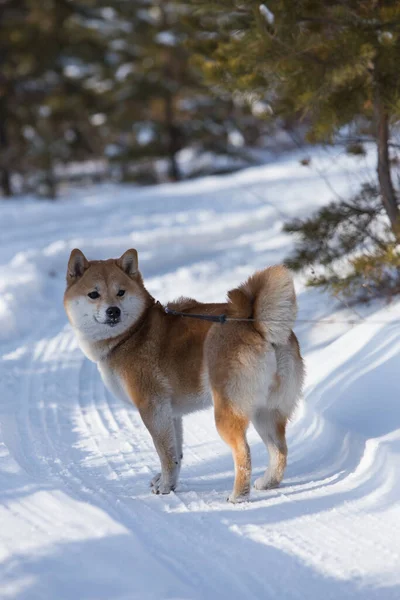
[329,62]
[51,59]
[161,102]
[14,62]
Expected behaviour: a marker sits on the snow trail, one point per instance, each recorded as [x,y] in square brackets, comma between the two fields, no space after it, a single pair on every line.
[77,517]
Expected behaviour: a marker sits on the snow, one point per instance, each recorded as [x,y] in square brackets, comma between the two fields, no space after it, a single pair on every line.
[77,519]
[385,37]
[166,38]
[267,14]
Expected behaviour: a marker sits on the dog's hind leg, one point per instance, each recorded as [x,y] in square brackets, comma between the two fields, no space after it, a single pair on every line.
[271,427]
[232,427]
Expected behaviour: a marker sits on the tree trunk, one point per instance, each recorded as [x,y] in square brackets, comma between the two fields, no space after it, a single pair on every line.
[173,144]
[51,185]
[5,183]
[5,176]
[389,199]
[50,179]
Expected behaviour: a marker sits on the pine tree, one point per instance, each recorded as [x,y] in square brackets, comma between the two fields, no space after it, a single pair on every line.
[327,62]
[161,102]
[52,57]
[14,62]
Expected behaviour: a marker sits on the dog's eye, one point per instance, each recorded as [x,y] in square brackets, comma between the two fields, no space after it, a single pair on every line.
[94,295]
[121,293]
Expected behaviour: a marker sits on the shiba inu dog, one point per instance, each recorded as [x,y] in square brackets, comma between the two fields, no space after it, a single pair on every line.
[169,366]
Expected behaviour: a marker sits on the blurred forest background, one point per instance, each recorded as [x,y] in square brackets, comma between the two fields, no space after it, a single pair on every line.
[133,90]
[97,88]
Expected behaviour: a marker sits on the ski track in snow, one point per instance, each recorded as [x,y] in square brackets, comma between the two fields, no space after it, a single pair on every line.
[77,517]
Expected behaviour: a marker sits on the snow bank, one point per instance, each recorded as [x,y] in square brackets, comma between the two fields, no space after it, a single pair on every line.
[77,519]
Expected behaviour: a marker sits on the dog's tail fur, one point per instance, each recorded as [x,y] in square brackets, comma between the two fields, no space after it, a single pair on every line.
[268,296]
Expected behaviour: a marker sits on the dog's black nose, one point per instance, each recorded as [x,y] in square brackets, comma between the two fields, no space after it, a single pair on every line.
[113,312]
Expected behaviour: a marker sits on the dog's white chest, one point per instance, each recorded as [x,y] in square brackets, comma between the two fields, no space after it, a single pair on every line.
[113,382]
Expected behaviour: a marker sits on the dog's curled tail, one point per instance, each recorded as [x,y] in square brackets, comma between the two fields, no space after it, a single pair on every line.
[268,296]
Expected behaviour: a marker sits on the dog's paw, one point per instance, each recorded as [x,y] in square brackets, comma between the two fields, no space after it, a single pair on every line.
[156,480]
[265,484]
[236,499]
[162,488]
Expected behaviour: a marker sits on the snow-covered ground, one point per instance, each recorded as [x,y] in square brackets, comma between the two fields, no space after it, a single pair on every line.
[77,519]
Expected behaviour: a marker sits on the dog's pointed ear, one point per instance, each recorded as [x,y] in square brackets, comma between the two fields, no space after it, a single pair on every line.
[129,262]
[77,265]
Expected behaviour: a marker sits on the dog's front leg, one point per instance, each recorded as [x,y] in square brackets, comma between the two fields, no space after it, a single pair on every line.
[158,418]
